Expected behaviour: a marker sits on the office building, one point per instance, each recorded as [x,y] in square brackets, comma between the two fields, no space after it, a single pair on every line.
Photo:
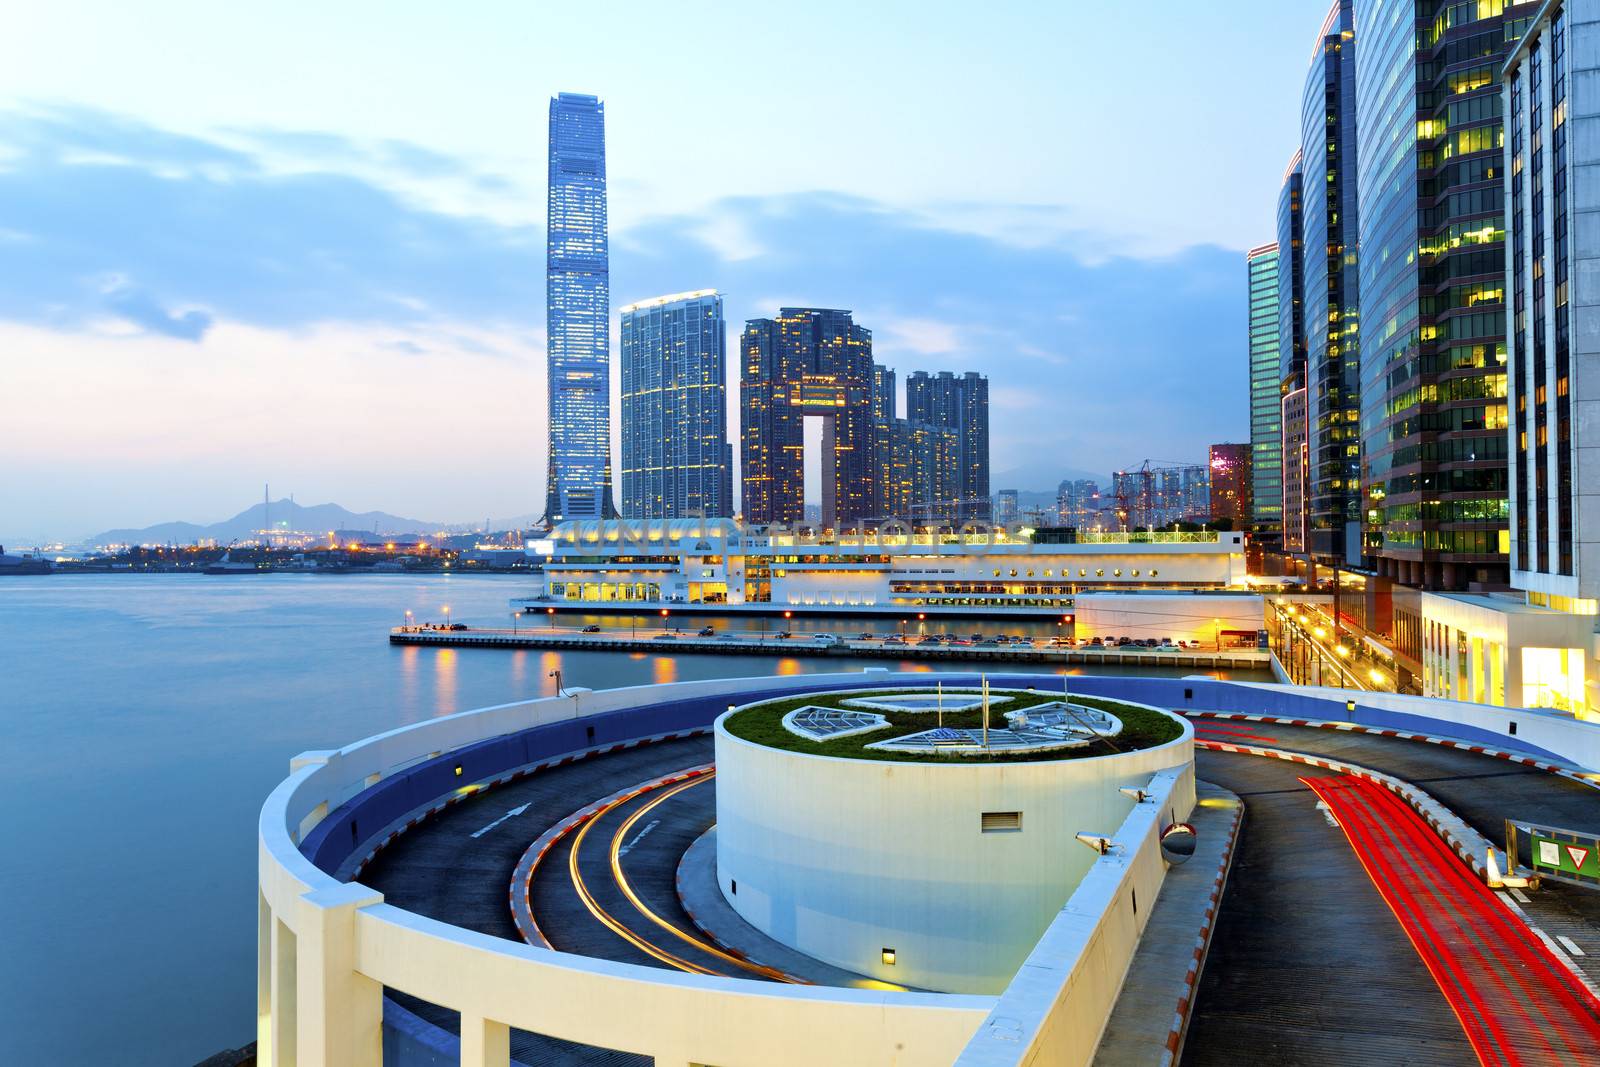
[808,361]
[1329,290]
[962,404]
[676,459]
[1294,434]
[1079,505]
[1433,283]
[1266,400]
[578,310]
[1231,484]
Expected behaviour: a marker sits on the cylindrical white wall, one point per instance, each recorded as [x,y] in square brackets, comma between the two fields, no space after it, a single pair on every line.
[843,858]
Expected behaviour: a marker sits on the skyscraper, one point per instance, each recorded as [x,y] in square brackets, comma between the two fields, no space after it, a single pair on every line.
[676,459]
[1330,287]
[1266,401]
[1433,281]
[577,312]
[960,404]
[807,361]
[1294,475]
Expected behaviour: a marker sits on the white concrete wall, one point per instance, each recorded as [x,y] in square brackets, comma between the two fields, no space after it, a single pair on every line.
[1180,616]
[841,858]
[1055,1010]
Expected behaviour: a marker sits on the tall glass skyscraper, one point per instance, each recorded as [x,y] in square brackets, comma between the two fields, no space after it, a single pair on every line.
[1330,293]
[1293,456]
[578,312]
[960,404]
[1266,404]
[676,459]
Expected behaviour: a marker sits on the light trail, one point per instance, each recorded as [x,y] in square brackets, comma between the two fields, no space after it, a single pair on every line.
[1515,1001]
[605,917]
[643,909]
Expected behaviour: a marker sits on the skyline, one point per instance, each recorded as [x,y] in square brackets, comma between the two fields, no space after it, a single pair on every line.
[403,276]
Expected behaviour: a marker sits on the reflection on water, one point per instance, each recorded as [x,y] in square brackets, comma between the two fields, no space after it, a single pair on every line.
[444,682]
[134,696]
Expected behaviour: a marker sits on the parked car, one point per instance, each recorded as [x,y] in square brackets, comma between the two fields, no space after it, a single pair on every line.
[977,637]
[783,635]
[828,640]
[866,637]
[591,629]
[458,626]
[1095,642]
[894,639]
[708,631]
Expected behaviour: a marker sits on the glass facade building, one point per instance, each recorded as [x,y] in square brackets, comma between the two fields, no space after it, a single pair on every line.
[1330,289]
[1266,408]
[1433,287]
[578,312]
[676,459]
[1292,466]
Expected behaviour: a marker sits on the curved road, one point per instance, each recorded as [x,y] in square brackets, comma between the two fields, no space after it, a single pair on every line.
[1307,965]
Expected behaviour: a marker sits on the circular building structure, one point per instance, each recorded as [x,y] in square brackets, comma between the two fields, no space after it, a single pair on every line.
[926,841]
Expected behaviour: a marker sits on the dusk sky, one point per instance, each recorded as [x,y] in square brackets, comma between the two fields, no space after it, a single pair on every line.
[304,244]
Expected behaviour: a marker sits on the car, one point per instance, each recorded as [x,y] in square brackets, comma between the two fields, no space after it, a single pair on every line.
[866,637]
[1167,648]
[894,639]
[977,637]
[591,629]
[665,637]
[1095,642]
[783,635]
[929,640]
[458,626]
[1019,639]
[1124,642]
[827,639]
[708,631]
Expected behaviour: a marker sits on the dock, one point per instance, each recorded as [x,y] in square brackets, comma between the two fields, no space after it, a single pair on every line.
[655,641]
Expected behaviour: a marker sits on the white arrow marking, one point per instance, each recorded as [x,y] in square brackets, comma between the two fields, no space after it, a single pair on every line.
[514,811]
[651,825]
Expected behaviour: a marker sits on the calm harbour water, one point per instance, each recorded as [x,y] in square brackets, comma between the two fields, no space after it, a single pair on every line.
[143,719]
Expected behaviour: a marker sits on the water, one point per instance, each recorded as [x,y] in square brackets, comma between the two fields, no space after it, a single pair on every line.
[143,719]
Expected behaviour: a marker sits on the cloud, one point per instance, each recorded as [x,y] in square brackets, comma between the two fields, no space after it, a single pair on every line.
[1098,357]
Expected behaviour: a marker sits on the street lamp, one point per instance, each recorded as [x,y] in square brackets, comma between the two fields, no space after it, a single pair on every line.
[408,620]
[663,620]
[514,623]
[447,616]
[922,623]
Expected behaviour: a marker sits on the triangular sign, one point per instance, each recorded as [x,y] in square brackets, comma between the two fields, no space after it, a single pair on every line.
[1577,856]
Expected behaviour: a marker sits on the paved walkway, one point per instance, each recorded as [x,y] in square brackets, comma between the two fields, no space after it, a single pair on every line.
[1146,1024]
[1516,1001]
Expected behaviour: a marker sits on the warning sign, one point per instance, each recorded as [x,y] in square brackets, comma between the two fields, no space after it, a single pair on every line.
[1563,857]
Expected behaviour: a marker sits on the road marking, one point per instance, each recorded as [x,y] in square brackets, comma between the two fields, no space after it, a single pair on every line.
[625,849]
[518,810]
[1327,813]
[1566,943]
[1519,896]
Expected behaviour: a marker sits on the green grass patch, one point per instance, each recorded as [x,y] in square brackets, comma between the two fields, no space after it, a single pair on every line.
[763,724]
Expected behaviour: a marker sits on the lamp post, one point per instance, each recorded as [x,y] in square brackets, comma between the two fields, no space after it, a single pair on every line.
[922,627]
[550,613]
[514,623]
[447,616]
[556,674]
[663,620]
[408,620]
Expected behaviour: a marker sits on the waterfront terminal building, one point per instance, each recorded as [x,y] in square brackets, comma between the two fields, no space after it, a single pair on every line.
[1155,581]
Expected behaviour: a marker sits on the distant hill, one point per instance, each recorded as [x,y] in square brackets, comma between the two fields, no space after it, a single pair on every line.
[284,514]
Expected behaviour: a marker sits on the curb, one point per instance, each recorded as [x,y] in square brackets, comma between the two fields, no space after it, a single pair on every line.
[1466,842]
[1180,1021]
[677,888]
[528,862]
[389,834]
[1575,773]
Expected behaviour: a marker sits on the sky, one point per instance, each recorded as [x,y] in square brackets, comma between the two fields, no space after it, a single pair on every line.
[303,245]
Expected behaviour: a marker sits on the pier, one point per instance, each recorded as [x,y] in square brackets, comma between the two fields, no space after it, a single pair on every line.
[659,641]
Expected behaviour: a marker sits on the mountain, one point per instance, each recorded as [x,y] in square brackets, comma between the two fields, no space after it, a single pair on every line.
[1043,479]
[284,515]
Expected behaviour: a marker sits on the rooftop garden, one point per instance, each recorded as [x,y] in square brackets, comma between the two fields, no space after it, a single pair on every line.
[763,724]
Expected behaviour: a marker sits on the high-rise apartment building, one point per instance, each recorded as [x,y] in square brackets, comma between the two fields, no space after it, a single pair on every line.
[808,361]
[578,312]
[1329,294]
[1079,505]
[961,404]
[1006,509]
[676,459]
[1266,401]
[1433,287]
[1232,484]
